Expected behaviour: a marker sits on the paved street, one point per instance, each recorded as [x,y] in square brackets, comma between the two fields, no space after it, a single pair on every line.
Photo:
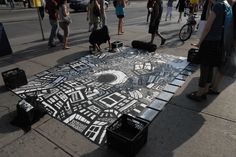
[183,129]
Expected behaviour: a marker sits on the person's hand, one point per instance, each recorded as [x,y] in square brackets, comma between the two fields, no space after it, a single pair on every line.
[150,9]
[196,45]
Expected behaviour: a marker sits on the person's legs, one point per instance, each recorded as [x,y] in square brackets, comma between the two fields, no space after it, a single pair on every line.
[204,82]
[122,25]
[119,26]
[218,77]
[152,38]
[66,35]
[163,40]
[167,13]
[206,74]
[12,4]
[180,16]
[170,12]
[65,28]
[90,25]
[54,28]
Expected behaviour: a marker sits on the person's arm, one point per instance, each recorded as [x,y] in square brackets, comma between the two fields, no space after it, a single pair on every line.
[97,4]
[207,28]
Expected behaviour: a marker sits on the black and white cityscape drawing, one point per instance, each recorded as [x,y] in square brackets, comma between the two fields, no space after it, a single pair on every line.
[92,92]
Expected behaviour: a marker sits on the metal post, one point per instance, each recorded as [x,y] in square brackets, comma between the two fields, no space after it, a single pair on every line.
[40,22]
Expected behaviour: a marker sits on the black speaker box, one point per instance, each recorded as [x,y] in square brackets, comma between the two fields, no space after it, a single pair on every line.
[29,111]
[116,44]
[14,78]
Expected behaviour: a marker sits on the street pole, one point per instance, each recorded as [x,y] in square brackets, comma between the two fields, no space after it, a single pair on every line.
[40,23]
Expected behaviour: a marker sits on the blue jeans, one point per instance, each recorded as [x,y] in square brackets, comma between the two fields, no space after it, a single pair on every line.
[54,32]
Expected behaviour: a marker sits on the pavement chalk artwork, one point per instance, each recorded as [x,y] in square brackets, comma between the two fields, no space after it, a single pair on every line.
[93,91]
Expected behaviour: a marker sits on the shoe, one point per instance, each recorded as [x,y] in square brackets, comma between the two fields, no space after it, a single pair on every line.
[51,45]
[163,41]
[66,47]
[212,92]
[193,96]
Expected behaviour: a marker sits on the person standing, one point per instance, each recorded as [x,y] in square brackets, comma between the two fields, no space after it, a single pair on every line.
[227,69]
[51,9]
[64,21]
[180,6]
[155,21]
[211,48]
[169,9]
[120,5]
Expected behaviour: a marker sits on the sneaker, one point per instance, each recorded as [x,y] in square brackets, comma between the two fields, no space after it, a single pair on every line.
[163,41]
[51,45]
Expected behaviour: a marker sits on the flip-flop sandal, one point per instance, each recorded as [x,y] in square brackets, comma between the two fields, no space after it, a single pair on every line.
[193,96]
[212,92]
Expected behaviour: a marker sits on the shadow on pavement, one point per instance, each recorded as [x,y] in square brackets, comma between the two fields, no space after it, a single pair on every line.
[180,120]
[72,57]
[3,89]
[41,48]
[5,126]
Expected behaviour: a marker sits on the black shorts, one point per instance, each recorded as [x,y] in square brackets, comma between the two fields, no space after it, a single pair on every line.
[120,16]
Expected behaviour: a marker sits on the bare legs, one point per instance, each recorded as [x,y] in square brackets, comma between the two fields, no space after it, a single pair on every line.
[65,28]
[168,13]
[66,42]
[218,77]
[120,26]
[180,16]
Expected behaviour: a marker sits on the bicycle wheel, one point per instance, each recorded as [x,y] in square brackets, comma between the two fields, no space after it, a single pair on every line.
[185,32]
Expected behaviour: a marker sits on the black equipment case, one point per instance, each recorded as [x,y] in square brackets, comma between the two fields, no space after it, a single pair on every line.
[14,78]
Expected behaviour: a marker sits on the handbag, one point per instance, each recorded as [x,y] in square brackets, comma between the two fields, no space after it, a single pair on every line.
[193,56]
[67,19]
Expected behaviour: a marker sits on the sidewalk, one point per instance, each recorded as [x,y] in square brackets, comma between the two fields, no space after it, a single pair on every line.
[183,129]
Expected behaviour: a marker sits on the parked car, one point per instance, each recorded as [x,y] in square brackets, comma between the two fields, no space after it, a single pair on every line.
[79,5]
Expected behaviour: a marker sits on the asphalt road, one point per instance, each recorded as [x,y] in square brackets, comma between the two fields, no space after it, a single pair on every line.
[19,23]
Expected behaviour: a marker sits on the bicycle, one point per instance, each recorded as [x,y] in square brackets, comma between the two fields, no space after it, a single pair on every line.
[187,29]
